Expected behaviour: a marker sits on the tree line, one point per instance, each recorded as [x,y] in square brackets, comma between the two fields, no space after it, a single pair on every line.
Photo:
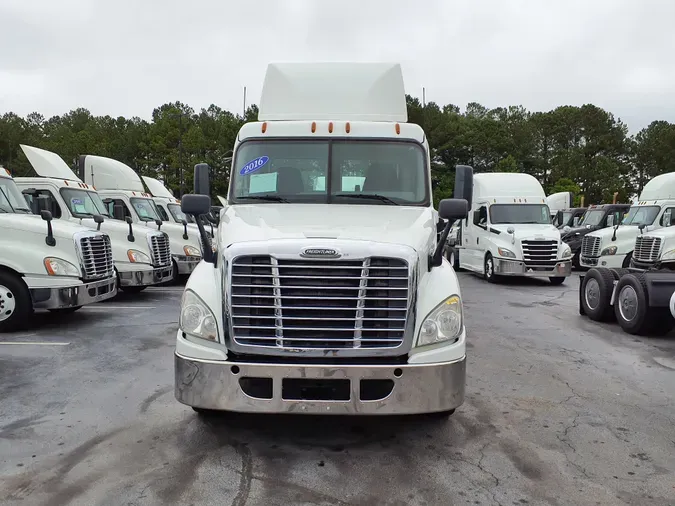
[583,149]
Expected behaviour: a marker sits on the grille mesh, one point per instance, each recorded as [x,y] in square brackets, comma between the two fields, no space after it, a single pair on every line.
[307,304]
[540,254]
[647,249]
[590,246]
[97,258]
[161,251]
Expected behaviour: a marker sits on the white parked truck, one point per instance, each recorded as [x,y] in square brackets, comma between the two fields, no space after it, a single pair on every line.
[559,201]
[168,206]
[613,247]
[47,264]
[141,256]
[122,191]
[325,298]
[509,232]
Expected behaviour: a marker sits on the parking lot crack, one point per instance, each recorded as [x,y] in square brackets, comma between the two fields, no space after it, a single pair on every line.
[486,471]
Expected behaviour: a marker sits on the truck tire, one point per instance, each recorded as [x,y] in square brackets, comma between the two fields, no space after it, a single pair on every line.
[618,272]
[453,257]
[632,308]
[558,280]
[596,294]
[576,262]
[489,269]
[16,305]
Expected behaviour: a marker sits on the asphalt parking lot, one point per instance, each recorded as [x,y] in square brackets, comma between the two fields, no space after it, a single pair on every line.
[559,410]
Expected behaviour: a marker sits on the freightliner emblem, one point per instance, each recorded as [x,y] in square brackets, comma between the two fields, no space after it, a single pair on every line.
[320,253]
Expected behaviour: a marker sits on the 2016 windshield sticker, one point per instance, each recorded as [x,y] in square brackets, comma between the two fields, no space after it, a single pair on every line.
[76,202]
[254,165]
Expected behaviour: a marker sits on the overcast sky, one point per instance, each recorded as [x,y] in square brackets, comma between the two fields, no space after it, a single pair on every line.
[125,57]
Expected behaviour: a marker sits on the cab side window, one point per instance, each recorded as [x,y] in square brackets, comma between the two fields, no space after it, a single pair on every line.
[480,217]
[36,198]
[117,209]
[668,218]
[162,213]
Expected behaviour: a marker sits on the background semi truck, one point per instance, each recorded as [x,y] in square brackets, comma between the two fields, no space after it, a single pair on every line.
[326,298]
[139,260]
[123,192]
[509,232]
[47,264]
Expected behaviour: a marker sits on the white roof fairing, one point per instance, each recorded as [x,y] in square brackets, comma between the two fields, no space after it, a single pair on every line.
[333,91]
[108,174]
[661,187]
[511,185]
[48,164]
[157,188]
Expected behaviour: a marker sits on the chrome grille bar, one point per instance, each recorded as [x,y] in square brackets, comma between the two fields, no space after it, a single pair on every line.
[540,254]
[319,304]
[590,246]
[647,249]
[96,256]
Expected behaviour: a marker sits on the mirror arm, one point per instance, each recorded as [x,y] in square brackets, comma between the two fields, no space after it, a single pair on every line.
[436,260]
[207,252]
[50,235]
[185,234]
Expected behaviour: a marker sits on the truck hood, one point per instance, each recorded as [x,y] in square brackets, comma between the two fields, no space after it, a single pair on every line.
[61,229]
[116,227]
[624,232]
[173,230]
[578,231]
[529,231]
[412,226]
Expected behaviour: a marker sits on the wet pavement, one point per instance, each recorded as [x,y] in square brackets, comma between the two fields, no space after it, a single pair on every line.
[559,410]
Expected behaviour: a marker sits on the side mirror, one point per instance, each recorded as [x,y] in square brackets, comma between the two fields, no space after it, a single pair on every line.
[43,203]
[610,220]
[158,223]
[464,184]
[118,212]
[47,216]
[197,205]
[98,219]
[451,210]
[201,186]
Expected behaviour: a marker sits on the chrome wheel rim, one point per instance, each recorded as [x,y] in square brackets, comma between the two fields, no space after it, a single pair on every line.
[488,267]
[628,303]
[7,303]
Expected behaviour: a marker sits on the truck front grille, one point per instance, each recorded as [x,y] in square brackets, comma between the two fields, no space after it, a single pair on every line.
[97,258]
[160,249]
[647,249]
[327,304]
[590,246]
[540,254]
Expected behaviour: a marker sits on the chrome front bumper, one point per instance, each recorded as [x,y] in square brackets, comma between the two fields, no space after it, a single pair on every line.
[146,278]
[186,264]
[74,296]
[505,267]
[316,389]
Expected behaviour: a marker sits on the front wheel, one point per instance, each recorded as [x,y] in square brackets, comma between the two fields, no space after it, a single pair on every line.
[16,305]
[453,257]
[489,269]
[555,281]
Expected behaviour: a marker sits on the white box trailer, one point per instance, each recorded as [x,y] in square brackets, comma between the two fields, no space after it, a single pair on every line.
[325,298]
[141,256]
[47,264]
[509,232]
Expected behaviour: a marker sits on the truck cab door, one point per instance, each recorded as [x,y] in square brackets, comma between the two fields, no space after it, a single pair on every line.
[474,235]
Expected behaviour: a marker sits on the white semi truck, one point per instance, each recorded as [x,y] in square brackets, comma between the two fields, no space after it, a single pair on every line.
[613,247]
[122,190]
[325,299]
[47,264]
[141,256]
[509,232]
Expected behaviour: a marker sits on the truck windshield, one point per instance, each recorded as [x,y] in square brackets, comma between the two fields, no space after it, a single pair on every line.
[83,203]
[11,199]
[641,215]
[592,218]
[520,213]
[145,208]
[335,171]
[179,215]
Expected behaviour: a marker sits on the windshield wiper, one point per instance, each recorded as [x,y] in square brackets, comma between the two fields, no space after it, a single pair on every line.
[270,198]
[371,196]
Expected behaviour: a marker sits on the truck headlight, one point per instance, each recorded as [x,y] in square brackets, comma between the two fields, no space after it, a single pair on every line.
[60,267]
[611,250]
[444,323]
[567,251]
[191,251]
[196,318]
[503,252]
[668,255]
[138,257]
